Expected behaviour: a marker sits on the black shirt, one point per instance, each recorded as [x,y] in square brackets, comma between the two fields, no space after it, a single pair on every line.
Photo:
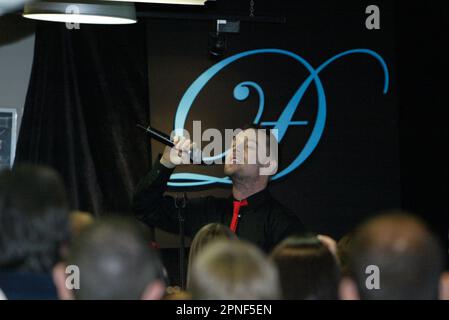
[264,221]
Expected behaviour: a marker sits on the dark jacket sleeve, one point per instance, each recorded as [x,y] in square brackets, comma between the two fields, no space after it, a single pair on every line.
[154,209]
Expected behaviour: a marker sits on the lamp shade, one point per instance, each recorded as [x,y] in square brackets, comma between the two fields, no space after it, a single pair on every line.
[181,2]
[81,11]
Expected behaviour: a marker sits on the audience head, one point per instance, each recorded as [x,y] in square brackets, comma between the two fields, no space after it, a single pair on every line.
[115,262]
[207,234]
[393,256]
[33,219]
[343,252]
[307,269]
[233,270]
[79,221]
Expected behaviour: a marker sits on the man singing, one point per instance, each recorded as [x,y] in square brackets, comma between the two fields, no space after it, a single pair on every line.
[251,212]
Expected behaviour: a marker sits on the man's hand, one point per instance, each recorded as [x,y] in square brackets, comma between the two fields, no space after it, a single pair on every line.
[179,154]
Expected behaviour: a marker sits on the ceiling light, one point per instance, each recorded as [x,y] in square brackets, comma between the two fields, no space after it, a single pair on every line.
[81,11]
[182,2]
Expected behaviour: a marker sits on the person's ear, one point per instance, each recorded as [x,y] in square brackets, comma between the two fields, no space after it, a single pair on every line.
[329,243]
[444,286]
[59,280]
[154,291]
[348,290]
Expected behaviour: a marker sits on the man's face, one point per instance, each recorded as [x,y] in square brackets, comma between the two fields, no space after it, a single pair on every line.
[241,160]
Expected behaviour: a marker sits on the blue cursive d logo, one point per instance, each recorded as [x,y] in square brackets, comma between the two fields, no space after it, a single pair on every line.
[242,91]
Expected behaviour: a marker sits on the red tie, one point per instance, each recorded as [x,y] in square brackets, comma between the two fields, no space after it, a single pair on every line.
[235,213]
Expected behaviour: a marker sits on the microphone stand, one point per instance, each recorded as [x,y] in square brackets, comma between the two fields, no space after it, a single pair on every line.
[180,204]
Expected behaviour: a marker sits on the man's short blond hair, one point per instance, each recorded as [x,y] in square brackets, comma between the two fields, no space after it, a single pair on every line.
[230,270]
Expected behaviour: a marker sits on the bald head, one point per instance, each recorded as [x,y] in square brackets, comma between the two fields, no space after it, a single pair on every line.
[408,256]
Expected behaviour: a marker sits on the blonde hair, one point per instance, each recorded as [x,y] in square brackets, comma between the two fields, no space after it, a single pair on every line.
[228,270]
[207,234]
[79,221]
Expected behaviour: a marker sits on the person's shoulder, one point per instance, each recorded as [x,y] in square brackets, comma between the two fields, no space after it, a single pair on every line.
[282,212]
[279,207]
[208,200]
[27,286]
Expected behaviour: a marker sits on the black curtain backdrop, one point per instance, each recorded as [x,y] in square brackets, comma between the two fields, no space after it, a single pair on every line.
[422,51]
[88,89]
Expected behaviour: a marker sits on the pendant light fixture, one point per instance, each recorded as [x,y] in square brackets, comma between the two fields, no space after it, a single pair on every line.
[81,11]
[180,2]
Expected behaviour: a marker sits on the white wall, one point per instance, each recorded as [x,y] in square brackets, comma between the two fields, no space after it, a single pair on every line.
[15,69]
[16,58]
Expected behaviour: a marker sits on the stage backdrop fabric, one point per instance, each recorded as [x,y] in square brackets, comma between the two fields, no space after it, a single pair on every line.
[87,92]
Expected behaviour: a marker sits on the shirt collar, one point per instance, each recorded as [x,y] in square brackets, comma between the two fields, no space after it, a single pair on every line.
[256,199]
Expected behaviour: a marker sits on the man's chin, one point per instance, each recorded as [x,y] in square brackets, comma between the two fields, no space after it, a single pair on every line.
[230,170]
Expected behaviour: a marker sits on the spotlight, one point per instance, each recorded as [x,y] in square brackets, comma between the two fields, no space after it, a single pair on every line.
[217,44]
[217,39]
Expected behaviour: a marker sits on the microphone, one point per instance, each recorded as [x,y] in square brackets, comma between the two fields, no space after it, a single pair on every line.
[158,135]
[165,139]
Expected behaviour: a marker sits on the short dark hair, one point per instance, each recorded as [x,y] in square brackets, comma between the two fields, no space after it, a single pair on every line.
[344,251]
[408,256]
[115,260]
[307,269]
[33,219]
